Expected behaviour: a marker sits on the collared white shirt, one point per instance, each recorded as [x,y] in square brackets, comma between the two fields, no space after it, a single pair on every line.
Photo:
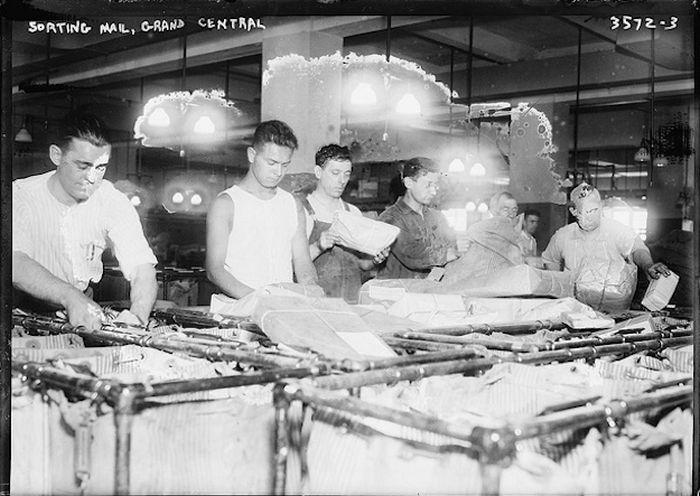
[527,243]
[68,241]
[571,246]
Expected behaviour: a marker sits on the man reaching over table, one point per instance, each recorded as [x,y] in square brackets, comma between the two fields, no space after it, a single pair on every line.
[64,219]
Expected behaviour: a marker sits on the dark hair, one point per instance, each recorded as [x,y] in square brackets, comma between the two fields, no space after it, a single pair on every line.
[495,199]
[332,152]
[531,211]
[418,166]
[276,132]
[84,126]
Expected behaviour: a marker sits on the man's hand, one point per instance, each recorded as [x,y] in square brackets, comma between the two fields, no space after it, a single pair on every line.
[657,270]
[451,255]
[126,317]
[381,256]
[535,262]
[327,240]
[314,291]
[82,311]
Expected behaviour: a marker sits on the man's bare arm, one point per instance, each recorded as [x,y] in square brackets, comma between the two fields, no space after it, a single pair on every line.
[303,266]
[31,277]
[642,258]
[144,289]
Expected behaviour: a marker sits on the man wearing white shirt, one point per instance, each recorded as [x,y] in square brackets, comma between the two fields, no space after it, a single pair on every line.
[339,269]
[527,241]
[64,219]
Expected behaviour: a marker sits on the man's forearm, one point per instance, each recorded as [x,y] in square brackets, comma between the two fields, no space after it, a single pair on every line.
[31,277]
[314,250]
[144,290]
[642,258]
[227,283]
[305,273]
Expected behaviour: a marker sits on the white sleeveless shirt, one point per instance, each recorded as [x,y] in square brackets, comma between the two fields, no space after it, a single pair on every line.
[259,250]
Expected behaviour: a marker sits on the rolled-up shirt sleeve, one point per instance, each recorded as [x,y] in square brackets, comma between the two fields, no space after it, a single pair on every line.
[126,234]
[553,253]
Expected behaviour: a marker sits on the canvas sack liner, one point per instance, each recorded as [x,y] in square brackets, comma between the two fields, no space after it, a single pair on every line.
[243,307]
[606,285]
[519,280]
[362,234]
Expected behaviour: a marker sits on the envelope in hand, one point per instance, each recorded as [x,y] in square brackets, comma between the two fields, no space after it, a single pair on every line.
[363,234]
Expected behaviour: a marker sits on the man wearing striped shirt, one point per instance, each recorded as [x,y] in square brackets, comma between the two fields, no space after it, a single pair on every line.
[64,219]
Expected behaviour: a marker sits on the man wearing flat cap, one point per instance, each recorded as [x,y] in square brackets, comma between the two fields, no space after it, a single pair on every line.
[597,241]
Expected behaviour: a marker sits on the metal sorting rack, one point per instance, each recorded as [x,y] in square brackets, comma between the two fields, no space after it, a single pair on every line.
[490,446]
[128,399]
[267,365]
[493,448]
[264,365]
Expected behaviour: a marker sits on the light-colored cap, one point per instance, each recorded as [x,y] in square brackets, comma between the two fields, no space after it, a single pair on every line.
[582,191]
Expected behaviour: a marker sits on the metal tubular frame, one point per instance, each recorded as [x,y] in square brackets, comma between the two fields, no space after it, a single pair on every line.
[127,399]
[420,370]
[494,445]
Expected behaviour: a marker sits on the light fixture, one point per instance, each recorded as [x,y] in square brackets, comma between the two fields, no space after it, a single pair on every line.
[178,198]
[23,136]
[408,105]
[483,208]
[477,170]
[363,95]
[470,207]
[456,166]
[642,155]
[660,161]
[159,118]
[204,125]
[196,199]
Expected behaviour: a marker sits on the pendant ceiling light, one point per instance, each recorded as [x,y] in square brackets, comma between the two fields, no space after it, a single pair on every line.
[477,170]
[408,105]
[204,125]
[456,166]
[363,96]
[23,135]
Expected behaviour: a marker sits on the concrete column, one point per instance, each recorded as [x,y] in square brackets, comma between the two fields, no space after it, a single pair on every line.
[310,105]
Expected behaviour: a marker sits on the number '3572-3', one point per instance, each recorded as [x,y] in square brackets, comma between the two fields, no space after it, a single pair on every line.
[629,22]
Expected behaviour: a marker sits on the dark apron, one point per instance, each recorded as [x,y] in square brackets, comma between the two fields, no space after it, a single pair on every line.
[339,272]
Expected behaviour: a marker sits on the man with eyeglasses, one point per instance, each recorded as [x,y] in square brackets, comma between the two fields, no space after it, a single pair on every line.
[426,240]
[492,243]
[594,241]
[63,220]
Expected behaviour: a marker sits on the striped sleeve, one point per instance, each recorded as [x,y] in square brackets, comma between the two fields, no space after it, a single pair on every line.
[21,218]
[126,234]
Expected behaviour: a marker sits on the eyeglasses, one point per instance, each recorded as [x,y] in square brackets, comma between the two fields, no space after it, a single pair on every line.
[509,210]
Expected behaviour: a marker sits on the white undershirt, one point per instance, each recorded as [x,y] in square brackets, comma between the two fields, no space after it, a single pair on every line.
[323,213]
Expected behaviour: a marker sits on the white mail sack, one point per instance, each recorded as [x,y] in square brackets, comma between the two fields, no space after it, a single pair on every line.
[363,234]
